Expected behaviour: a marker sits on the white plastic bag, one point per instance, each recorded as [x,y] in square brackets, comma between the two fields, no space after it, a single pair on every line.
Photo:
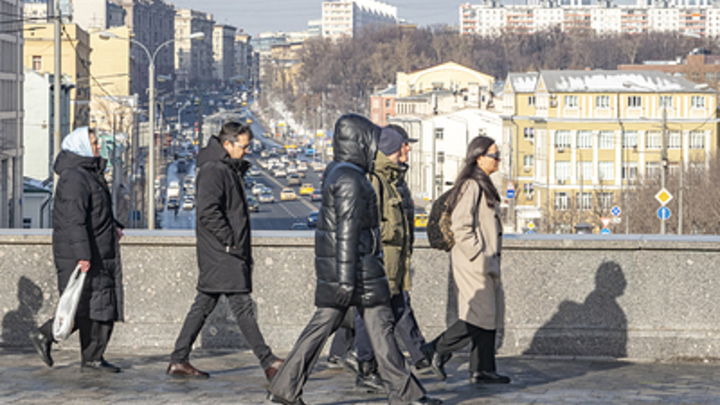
[67,307]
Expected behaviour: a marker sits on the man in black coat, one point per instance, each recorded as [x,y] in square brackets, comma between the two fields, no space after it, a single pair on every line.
[349,270]
[223,249]
[86,234]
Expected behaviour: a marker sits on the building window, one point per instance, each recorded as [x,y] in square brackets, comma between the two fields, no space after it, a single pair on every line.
[602,102]
[441,157]
[571,101]
[697,140]
[387,103]
[652,170]
[529,189]
[561,201]
[606,170]
[37,62]
[562,139]
[439,133]
[27,223]
[531,101]
[634,101]
[528,133]
[584,171]
[584,139]
[629,170]
[697,102]
[584,200]
[562,170]
[605,200]
[665,101]
[630,140]
[674,140]
[653,140]
[607,140]
[528,161]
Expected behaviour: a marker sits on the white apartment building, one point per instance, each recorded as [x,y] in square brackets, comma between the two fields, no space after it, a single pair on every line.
[698,17]
[88,14]
[11,114]
[223,42]
[193,58]
[346,18]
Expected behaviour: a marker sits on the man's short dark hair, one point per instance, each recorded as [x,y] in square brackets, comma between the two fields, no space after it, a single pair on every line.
[232,129]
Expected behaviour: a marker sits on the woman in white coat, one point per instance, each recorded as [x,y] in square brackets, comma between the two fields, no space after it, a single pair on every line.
[475,214]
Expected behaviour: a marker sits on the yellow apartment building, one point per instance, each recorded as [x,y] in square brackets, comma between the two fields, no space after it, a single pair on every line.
[39,55]
[579,138]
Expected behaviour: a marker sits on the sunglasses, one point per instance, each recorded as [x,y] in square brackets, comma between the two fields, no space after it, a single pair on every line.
[246,147]
[495,156]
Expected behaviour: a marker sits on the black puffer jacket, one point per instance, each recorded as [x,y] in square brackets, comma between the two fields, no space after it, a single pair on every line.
[223,222]
[348,246]
[407,202]
[84,228]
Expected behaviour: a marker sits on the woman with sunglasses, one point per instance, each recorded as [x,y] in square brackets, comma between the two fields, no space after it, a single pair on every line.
[474,205]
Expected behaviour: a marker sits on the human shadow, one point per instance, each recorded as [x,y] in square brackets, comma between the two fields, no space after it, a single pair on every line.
[596,327]
[17,324]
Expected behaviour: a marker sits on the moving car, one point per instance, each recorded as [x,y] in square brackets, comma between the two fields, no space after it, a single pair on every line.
[292,169]
[293,180]
[312,219]
[302,167]
[280,172]
[288,194]
[316,195]
[253,204]
[173,203]
[266,197]
[299,226]
[189,189]
[421,220]
[188,203]
[258,188]
[254,171]
[306,189]
[318,166]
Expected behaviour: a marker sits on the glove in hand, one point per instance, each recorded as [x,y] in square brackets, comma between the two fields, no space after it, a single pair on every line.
[344,294]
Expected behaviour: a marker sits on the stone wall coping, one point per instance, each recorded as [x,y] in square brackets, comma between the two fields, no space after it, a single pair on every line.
[647,242]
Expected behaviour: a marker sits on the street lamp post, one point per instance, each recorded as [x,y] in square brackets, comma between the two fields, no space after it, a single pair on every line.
[150,177]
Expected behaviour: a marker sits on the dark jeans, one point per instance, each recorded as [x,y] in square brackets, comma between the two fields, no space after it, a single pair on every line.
[241,306]
[459,335]
[406,327]
[94,337]
[402,386]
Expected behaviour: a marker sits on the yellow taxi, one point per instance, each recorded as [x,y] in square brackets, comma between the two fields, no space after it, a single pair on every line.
[249,121]
[287,194]
[421,220]
[244,104]
[306,189]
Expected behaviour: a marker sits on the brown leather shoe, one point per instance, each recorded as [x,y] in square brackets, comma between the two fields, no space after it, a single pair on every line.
[185,370]
[273,369]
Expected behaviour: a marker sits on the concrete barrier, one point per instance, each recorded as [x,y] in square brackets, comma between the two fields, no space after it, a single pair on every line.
[640,296]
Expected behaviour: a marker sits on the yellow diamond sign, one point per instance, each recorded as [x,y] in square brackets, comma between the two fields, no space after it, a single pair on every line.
[663,197]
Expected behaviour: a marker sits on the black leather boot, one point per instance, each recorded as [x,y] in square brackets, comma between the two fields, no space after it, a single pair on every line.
[42,345]
[368,378]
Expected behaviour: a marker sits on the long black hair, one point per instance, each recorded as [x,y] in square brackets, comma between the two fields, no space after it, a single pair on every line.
[479,146]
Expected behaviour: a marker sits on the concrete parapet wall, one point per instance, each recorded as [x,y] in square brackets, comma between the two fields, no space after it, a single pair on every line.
[640,296]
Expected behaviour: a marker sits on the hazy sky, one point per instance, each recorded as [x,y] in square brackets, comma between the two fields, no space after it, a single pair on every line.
[292,15]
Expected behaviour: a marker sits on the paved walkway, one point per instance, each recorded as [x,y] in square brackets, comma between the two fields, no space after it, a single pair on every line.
[237,379]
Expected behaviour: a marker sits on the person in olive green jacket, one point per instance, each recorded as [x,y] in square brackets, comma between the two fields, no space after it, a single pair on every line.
[397,244]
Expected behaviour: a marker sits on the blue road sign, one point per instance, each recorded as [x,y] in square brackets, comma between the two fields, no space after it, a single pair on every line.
[510,194]
[605,232]
[616,211]
[663,213]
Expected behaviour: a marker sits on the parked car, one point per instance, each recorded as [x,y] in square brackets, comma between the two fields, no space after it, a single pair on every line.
[266,197]
[316,195]
[253,204]
[306,189]
[258,188]
[299,226]
[312,219]
[293,180]
[288,194]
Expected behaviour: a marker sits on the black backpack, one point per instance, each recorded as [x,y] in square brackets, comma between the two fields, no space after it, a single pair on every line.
[439,222]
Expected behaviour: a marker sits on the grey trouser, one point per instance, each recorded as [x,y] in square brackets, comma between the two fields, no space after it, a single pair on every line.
[402,386]
[241,306]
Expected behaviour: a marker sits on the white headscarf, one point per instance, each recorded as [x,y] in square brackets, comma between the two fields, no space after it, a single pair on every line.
[78,142]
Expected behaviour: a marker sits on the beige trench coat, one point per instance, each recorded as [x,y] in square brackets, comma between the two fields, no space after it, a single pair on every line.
[475,260]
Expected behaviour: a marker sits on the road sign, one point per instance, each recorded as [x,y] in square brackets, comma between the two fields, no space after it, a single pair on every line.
[616,211]
[663,213]
[616,220]
[510,191]
[531,226]
[605,221]
[663,196]
[605,232]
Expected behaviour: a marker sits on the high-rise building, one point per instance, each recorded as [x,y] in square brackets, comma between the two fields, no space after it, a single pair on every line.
[243,60]
[193,58]
[347,18]
[223,42]
[11,114]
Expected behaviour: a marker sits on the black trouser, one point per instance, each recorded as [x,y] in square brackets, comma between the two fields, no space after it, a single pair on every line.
[241,306]
[342,342]
[457,336]
[406,327]
[402,386]
[94,337]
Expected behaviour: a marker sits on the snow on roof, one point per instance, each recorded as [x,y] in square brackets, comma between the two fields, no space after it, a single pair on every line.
[523,82]
[619,81]
[390,91]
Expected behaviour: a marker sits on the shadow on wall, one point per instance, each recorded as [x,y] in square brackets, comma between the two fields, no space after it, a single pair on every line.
[17,324]
[597,327]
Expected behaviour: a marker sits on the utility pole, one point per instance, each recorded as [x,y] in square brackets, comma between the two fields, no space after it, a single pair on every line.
[57,86]
[663,161]
[150,177]
[680,192]
[200,123]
